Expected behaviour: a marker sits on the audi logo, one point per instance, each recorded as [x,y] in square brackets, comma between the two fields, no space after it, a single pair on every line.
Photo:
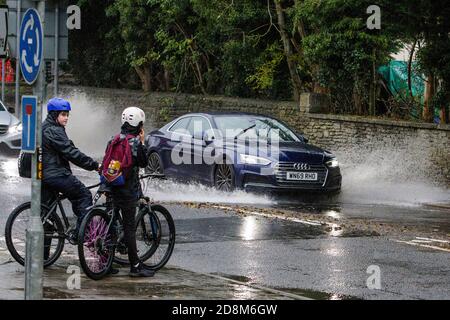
[301,166]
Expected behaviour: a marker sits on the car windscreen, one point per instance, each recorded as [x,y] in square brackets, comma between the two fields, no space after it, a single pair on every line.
[262,127]
[2,107]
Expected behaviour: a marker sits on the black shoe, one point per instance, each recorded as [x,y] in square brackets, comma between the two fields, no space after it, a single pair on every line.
[141,271]
[146,267]
[73,237]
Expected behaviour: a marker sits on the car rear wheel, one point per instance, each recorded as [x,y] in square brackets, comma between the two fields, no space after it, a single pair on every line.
[154,164]
[224,177]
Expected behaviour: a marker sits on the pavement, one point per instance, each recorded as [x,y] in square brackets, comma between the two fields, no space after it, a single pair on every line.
[170,283]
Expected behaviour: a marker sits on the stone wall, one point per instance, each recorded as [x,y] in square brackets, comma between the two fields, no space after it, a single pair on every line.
[416,148]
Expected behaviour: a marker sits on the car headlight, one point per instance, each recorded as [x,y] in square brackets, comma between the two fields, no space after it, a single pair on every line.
[333,163]
[248,159]
[15,129]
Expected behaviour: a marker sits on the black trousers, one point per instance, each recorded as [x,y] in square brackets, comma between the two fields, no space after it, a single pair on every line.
[129,230]
[74,190]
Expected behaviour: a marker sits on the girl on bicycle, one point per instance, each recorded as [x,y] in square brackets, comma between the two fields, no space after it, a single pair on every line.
[126,196]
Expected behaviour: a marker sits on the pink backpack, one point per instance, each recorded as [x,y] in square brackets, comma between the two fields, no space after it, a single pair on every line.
[118,160]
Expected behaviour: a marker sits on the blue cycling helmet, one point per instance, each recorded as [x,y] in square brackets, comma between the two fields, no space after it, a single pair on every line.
[58,104]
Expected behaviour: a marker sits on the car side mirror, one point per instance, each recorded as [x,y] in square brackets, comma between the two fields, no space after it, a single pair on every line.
[11,110]
[208,137]
[302,137]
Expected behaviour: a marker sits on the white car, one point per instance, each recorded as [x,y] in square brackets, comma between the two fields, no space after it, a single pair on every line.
[10,128]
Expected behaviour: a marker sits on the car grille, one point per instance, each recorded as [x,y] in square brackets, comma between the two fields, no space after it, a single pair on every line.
[282,167]
[3,129]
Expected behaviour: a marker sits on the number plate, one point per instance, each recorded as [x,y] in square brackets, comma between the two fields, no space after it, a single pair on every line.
[302,176]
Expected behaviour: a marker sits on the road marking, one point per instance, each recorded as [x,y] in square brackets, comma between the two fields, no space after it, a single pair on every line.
[421,245]
[254,286]
[422,241]
[432,240]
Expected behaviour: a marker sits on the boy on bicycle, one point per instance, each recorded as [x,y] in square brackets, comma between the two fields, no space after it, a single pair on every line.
[127,195]
[58,152]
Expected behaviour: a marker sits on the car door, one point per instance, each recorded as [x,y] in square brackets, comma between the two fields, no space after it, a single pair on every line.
[174,147]
[199,168]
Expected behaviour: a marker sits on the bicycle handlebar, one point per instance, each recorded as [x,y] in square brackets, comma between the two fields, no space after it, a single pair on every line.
[95,185]
[150,175]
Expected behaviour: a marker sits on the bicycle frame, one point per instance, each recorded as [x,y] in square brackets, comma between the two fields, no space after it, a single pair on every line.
[52,208]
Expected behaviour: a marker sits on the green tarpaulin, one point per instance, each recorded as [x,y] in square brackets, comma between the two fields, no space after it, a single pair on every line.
[396,76]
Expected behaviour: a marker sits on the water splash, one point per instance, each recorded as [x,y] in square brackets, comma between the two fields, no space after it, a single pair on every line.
[174,191]
[92,123]
[390,174]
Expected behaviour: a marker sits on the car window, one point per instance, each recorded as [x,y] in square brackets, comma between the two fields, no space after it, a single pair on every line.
[181,124]
[198,124]
[263,127]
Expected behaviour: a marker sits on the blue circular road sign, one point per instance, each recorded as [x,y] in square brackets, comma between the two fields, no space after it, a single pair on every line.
[31,45]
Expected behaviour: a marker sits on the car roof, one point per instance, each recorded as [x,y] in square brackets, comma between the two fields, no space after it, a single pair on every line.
[221,113]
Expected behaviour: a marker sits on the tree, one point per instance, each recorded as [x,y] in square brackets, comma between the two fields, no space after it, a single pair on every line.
[288,50]
[94,58]
[343,51]
[137,25]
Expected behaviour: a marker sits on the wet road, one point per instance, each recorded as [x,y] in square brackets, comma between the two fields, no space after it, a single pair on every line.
[296,252]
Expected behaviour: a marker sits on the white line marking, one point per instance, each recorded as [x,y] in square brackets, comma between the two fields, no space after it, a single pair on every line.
[433,240]
[421,245]
[422,241]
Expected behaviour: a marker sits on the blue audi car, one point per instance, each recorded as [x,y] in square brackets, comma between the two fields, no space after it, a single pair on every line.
[241,150]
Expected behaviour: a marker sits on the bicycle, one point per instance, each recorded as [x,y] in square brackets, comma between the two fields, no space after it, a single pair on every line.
[17,223]
[101,234]
[55,229]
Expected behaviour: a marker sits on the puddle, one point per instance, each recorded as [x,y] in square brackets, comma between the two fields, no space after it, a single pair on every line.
[234,277]
[316,295]
[249,228]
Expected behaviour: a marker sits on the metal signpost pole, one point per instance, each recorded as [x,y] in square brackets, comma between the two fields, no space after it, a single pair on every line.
[19,4]
[3,79]
[56,49]
[35,232]
[3,42]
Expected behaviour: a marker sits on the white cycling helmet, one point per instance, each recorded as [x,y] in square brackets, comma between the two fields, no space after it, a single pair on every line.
[133,116]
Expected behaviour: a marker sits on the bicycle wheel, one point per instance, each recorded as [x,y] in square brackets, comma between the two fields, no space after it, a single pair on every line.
[16,232]
[156,228]
[95,244]
[145,246]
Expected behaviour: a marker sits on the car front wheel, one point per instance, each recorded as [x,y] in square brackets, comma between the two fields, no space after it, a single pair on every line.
[154,164]
[224,177]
